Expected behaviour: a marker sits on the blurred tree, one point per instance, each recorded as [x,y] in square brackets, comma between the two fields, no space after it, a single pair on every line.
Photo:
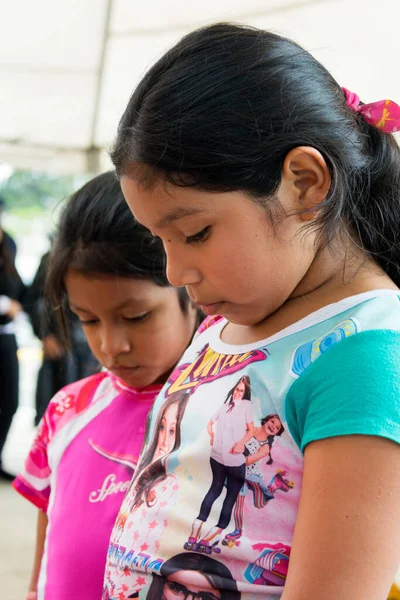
[25,189]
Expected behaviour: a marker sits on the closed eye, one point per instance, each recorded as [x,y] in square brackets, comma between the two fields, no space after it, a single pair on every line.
[201,236]
[138,318]
[88,322]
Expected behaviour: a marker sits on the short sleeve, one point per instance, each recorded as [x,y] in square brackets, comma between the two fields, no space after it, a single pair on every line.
[34,480]
[354,388]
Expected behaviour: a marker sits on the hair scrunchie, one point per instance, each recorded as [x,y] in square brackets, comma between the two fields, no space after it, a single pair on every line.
[384,114]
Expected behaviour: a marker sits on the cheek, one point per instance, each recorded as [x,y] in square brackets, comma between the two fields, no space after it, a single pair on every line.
[165,340]
[93,341]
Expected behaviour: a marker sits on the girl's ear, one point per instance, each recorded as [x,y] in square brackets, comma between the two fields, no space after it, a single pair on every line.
[306,180]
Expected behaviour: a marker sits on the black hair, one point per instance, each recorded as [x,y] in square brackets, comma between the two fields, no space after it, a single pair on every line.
[97,234]
[215,572]
[245,379]
[221,110]
[271,438]
[7,258]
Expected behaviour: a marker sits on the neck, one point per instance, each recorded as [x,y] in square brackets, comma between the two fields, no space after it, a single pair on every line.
[333,276]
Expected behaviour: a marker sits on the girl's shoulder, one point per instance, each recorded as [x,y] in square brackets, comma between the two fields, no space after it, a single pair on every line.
[71,401]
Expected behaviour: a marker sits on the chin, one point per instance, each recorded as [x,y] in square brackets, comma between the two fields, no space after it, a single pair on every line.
[242,316]
[137,381]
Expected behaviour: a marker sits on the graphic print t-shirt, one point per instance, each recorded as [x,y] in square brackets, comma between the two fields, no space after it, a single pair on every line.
[307,382]
[78,470]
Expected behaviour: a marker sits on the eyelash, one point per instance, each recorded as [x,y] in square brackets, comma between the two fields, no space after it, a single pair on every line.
[137,319]
[129,320]
[199,237]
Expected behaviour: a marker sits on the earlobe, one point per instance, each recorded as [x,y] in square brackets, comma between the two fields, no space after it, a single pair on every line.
[306,171]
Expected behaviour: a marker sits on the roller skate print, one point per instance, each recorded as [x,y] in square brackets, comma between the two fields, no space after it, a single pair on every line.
[232,539]
[280,482]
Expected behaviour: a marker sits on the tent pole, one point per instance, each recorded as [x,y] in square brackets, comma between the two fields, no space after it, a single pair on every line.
[93,152]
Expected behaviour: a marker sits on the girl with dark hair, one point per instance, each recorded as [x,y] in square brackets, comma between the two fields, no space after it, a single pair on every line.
[214,580]
[151,474]
[167,430]
[276,194]
[109,272]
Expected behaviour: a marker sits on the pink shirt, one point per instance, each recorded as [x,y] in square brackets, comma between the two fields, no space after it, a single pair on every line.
[78,470]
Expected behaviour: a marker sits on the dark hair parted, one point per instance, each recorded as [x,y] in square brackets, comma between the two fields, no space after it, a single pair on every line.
[215,572]
[97,234]
[221,110]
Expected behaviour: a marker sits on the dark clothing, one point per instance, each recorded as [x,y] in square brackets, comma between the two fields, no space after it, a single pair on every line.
[12,287]
[9,384]
[41,316]
[11,284]
[234,478]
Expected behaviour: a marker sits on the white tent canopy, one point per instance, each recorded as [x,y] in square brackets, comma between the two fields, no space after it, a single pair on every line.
[67,68]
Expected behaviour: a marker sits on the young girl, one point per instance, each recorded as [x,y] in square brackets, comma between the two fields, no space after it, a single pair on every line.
[276,194]
[88,442]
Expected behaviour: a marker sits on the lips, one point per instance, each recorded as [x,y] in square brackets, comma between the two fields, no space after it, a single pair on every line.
[211,309]
[123,369]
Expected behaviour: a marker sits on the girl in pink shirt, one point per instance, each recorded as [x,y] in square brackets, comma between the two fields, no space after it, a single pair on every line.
[111,273]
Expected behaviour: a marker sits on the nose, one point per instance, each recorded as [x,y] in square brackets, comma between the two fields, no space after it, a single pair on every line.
[180,269]
[163,438]
[113,342]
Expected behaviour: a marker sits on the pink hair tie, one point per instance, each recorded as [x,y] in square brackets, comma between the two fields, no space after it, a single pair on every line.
[384,114]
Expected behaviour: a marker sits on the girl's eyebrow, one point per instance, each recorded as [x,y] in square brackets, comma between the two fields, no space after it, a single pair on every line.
[127,302]
[176,214]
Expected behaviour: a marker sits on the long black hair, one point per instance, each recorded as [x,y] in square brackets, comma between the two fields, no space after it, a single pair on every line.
[151,472]
[97,234]
[222,109]
[215,572]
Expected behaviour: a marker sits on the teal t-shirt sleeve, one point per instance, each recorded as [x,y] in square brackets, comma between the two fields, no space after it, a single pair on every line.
[354,388]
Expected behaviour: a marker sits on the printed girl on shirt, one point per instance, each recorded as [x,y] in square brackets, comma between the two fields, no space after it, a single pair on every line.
[276,194]
[153,490]
[257,448]
[235,425]
[88,443]
[152,469]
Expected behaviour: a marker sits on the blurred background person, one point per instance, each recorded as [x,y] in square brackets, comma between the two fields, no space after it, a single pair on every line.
[12,292]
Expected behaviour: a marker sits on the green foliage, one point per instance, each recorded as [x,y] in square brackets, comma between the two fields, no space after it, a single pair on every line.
[28,189]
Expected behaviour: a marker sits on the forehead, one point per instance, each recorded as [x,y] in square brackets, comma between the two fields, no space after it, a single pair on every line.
[108,291]
[162,204]
[171,411]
